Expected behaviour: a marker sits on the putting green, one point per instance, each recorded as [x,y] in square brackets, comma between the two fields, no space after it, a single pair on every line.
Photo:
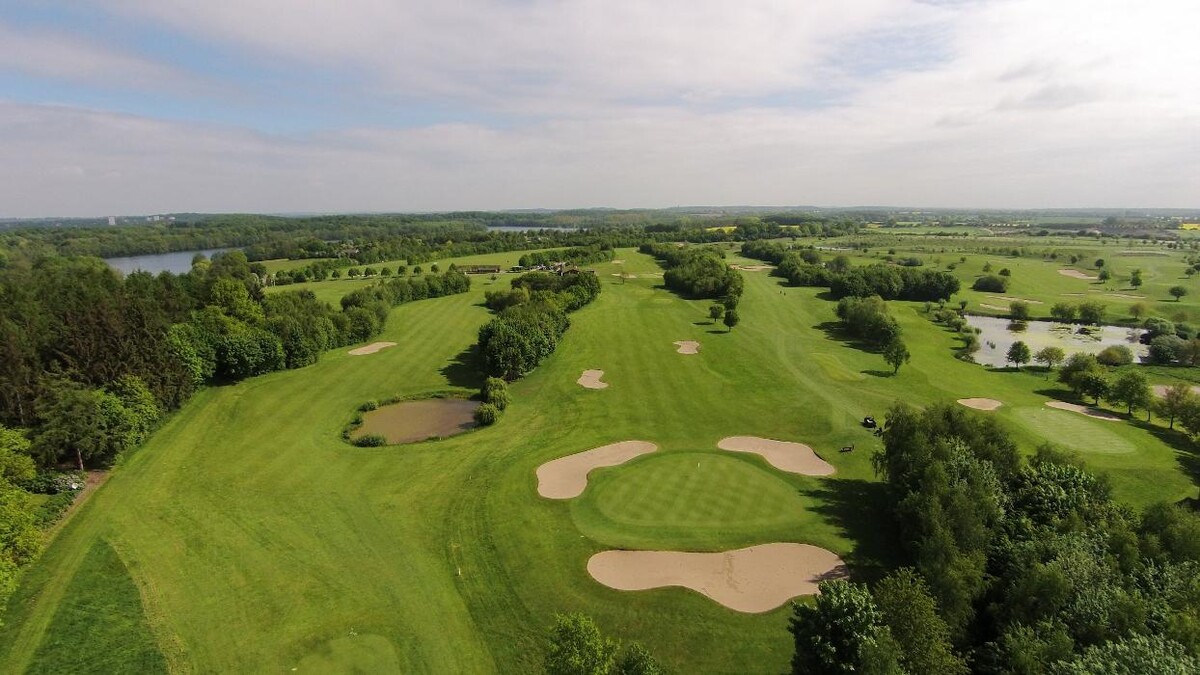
[1074,431]
[698,498]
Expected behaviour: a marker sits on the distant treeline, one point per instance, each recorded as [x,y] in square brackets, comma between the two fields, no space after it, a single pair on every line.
[580,255]
[890,282]
[414,237]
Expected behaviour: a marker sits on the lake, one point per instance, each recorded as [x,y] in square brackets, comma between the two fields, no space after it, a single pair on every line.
[1039,334]
[179,262]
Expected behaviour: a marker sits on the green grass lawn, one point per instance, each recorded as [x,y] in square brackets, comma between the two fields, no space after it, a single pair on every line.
[258,540]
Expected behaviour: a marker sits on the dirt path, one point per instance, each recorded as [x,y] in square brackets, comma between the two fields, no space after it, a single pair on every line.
[752,580]
[783,455]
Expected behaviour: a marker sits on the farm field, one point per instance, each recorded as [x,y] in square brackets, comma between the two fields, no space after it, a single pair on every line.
[258,540]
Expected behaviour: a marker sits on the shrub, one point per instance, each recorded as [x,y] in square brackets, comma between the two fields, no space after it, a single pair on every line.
[370,441]
[368,406]
[499,398]
[486,415]
[991,284]
[1116,355]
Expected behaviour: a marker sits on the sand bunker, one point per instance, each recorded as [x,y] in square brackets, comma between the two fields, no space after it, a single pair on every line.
[751,268]
[1160,390]
[411,421]
[754,579]
[1076,274]
[618,262]
[1126,296]
[371,348]
[998,308]
[1009,298]
[1084,410]
[980,403]
[627,276]
[566,477]
[783,455]
[687,346]
[590,379]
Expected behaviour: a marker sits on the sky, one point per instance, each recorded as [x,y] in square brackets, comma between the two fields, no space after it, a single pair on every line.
[114,107]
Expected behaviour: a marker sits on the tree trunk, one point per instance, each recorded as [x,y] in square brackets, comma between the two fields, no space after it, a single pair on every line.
[79,458]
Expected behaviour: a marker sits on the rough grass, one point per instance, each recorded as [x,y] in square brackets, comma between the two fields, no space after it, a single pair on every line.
[261,541]
[99,627]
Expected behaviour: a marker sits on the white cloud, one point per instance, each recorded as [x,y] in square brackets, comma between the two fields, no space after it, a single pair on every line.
[80,60]
[1014,103]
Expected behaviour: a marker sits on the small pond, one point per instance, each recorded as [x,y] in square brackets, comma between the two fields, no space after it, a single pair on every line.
[412,421]
[1072,338]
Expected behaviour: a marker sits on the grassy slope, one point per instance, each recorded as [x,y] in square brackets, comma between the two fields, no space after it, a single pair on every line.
[100,626]
[263,542]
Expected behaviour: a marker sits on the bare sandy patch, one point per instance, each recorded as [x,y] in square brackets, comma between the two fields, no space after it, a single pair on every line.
[1074,295]
[590,379]
[618,262]
[783,455]
[1127,296]
[755,579]
[751,268]
[998,308]
[371,348]
[1083,410]
[566,477]
[687,346]
[1009,298]
[1160,390]
[980,403]
[1076,274]
[622,274]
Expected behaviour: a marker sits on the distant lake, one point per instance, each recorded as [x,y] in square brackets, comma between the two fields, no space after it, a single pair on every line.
[1039,334]
[179,262]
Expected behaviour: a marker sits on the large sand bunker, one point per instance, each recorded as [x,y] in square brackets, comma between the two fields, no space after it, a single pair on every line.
[783,455]
[1076,274]
[371,348]
[566,477]
[590,379]
[687,346]
[1009,298]
[754,579]
[411,421]
[1083,410]
[980,403]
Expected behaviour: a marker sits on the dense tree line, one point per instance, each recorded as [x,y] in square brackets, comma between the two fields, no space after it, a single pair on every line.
[578,255]
[696,272]
[89,359]
[868,320]
[1032,566]
[890,282]
[531,320]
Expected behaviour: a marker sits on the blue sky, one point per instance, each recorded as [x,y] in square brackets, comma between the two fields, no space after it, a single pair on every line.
[126,106]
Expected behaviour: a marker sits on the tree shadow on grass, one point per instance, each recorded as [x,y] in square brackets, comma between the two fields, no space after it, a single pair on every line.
[862,511]
[834,331]
[465,369]
[877,373]
[1188,455]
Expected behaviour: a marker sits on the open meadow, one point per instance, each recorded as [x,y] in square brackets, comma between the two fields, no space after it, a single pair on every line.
[246,535]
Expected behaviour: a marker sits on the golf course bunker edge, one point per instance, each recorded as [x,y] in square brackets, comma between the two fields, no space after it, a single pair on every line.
[783,455]
[419,420]
[750,580]
[566,477]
